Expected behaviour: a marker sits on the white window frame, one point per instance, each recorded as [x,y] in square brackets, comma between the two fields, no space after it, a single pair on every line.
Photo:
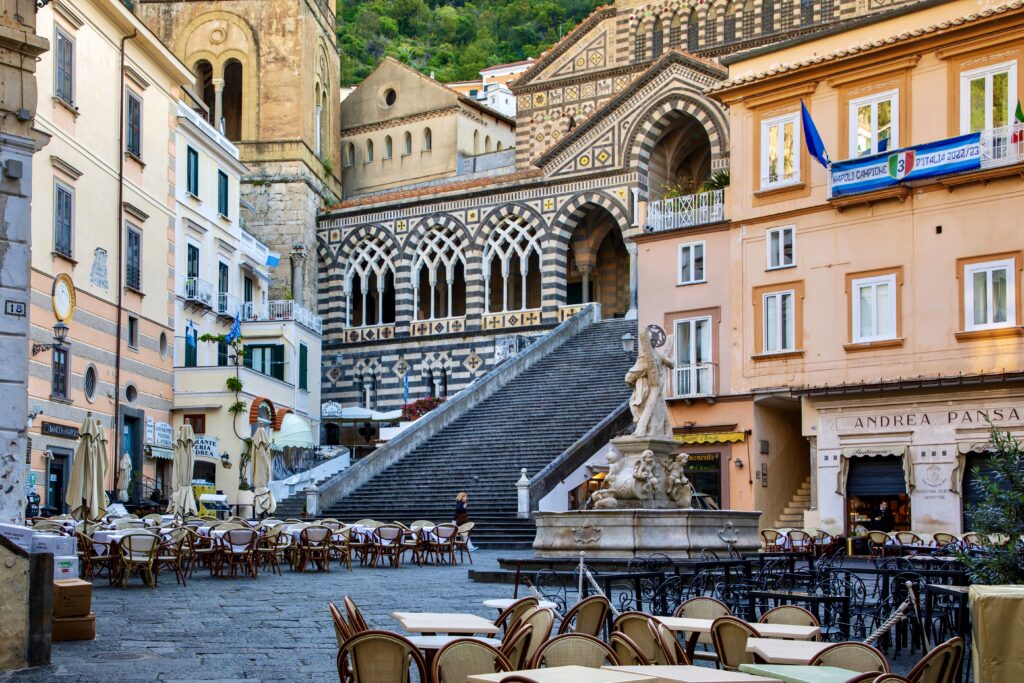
[686,251]
[855,311]
[1010,265]
[987,72]
[776,300]
[893,97]
[791,229]
[766,126]
[700,385]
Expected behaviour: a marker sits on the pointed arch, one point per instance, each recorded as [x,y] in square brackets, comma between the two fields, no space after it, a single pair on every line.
[368,278]
[693,31]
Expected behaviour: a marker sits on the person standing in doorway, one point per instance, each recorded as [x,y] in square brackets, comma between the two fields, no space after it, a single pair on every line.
[884,521]
[462,512]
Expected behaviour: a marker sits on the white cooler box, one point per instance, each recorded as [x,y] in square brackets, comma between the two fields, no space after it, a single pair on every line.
[55,544]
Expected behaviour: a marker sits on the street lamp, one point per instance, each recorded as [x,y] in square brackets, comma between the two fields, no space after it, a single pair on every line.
[60,334]
[628,342]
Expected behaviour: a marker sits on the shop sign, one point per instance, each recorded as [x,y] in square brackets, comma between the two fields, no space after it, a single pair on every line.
[60,431]
[149,429]
[164,435]
[207,446]
[958,418]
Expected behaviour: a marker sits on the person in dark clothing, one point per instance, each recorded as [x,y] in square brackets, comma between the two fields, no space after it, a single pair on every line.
[884,520]
[462,512]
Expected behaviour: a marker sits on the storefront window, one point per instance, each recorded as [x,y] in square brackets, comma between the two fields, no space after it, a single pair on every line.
[704,470]
[872,482]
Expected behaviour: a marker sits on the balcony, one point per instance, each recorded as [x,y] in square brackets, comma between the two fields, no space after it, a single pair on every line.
[197,291]
[1002,146]
[275,311]
[693,381]
[228,305]
[686,211]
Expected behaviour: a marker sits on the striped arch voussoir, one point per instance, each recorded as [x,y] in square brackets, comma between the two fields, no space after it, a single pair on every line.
[500,212]
[434,220]
[569,216]
[364,232]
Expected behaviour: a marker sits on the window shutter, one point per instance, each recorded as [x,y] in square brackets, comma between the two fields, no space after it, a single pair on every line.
[247,358]
[303,367]
[277,362]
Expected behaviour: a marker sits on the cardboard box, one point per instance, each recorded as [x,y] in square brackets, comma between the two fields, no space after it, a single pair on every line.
[20,536]
[55,544]
[65,567]
[74,628]
[71,598]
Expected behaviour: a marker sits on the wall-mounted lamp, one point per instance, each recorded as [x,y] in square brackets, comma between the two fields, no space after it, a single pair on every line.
[225,459]
[738,462]
[60,334]
[628,342]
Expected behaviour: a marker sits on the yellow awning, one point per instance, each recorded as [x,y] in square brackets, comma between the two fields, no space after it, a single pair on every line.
[710,437]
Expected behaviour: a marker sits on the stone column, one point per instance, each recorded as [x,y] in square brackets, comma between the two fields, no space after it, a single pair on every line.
[298,259]
[218,103]
[585,271]
[813,441]
[634,280]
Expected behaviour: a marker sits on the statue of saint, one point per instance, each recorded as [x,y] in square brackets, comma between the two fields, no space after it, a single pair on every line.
[678,487]
[647,377]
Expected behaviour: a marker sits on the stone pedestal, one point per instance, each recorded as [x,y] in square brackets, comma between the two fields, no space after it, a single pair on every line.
[678,533]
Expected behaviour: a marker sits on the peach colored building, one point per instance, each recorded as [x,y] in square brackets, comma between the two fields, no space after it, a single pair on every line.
[874,313]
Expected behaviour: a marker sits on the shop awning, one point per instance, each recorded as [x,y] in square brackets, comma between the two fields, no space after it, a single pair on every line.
[294,432]
[874,451]
[965,447]
[358,414]
[159,453]
[710,437]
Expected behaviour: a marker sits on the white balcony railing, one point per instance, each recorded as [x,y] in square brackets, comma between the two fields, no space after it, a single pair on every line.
[691,381]
[228,305]
[198,291]
[281,310]
[686,211]
[1002,146]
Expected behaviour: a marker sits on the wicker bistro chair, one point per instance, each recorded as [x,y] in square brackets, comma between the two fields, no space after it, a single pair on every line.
[173,554]
[792,615]
[95,557]
[942,539]
[574,648]
[774,542]
[387,543]
[361,543]
[971,539]
[588,616]
[465,657]
[878,543]
[202,551]
[516,644]
[379,657]
[702,608]
[341,546]
[853,656]
[461,541]
[238,548]
[886,678]
[940,664]
[672,651]
[138,555]
[542,620]
[355,616]
[509,618]
[908,538]
[730,635]
[799,540]
[441,542]
[269,552]
[627,652]
[342,631]
[314,546]
[414,541]
[638,628]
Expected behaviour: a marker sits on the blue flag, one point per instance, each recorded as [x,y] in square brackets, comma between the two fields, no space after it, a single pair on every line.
[814,144]
[190,334]
[405,387]
[236,331]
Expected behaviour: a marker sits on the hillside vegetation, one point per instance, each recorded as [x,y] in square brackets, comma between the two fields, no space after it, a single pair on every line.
[454,40]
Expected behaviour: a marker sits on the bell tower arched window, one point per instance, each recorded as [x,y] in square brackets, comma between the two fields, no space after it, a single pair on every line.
[693,32]
[657,38]
[231,100]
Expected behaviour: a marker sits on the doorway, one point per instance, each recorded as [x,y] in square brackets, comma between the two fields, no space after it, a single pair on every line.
[56,480]
[132,433]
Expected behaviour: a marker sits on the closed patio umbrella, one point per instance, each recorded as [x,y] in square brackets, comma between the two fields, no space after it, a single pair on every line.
[183,502]
[263,499]
[124,477]
[86,497]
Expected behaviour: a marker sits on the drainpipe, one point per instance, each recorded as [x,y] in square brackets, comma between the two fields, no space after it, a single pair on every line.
[116,426]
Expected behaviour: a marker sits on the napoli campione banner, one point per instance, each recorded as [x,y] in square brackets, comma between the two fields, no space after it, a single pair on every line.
[875,172]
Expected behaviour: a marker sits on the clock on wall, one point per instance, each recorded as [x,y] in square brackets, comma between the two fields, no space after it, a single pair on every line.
[63,297]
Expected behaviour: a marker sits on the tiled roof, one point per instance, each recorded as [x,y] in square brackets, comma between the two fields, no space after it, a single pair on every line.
[435,189]
[835,55]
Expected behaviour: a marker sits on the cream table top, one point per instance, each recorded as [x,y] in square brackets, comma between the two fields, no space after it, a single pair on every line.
[690,674]
[569,674]
[687,625]
[440,622]
[775,651]
[505,603]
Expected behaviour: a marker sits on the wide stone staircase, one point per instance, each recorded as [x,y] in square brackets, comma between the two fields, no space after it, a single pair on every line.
[792,516]
[528,422]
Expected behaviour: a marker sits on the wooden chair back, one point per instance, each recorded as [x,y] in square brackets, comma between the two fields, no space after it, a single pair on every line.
[589,616]
[465,657]
[574,649]
[379,657]
[729,636]
[626,650]
[853,656]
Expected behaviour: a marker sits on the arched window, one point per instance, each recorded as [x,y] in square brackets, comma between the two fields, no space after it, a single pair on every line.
[407,149]
[657,38]
[369,284]
[369,150]
[350,154]
[511,264]
[317,119]
[324,116]
[204,86]
[487,143]
[711,28]
[439,275]
[693,32]
[231,101]
[748,20]
[500,146]
[767,16]
[828,10]
[729,32]
[388,147]
[806,12]
[476,142]
[675,32]
[785,15]
[428,140]
[640,46]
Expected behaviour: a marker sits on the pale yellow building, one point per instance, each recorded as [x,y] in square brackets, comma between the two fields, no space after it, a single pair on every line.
[103,237]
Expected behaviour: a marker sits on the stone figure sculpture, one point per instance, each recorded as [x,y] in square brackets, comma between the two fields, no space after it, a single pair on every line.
[678,487]
[645,482]
[605,497]
[647,377]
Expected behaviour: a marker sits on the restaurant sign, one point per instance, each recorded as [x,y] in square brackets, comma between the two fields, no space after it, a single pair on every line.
[59,430]
[207,446]
[958,418]
[164,435]
[864,174]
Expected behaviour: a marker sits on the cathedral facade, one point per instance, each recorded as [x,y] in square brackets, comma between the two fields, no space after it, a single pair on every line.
[425,287]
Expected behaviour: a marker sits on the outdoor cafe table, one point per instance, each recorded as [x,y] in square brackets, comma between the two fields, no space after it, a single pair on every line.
[505,603]
[689,674]
[695,627]
[789,673]
[776,651]
[568,674]
[440,622]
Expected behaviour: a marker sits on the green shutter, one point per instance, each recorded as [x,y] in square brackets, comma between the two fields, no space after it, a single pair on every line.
[303,366]
[247,358]
[277,362]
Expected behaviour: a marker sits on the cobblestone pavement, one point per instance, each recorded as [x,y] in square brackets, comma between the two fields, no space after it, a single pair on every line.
[276,628]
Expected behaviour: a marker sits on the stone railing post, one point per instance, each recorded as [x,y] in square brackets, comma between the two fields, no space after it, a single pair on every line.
[523,495]
[312,501]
